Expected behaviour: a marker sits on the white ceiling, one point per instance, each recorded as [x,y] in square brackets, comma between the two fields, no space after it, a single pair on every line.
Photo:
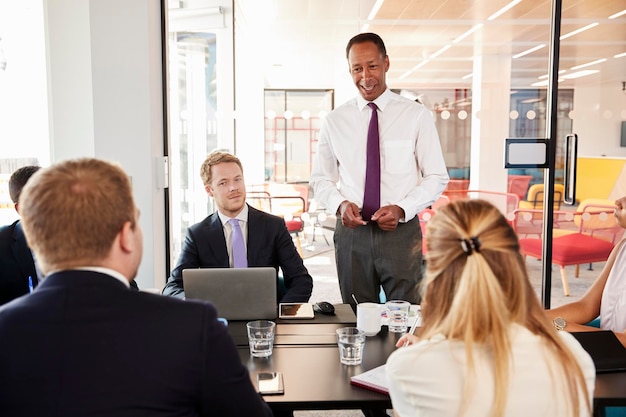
[304,40]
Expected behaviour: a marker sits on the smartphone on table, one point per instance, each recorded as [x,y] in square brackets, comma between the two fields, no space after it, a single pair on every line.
[270,383]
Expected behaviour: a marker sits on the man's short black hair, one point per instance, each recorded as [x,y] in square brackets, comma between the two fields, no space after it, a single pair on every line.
[368,37]
[18,180]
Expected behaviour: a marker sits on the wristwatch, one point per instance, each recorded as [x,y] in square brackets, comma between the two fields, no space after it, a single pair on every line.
[559,323]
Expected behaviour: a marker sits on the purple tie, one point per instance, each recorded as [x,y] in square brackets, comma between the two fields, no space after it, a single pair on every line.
[371,197]
[240,257]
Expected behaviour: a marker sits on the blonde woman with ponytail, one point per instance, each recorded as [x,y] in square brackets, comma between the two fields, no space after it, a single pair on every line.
[485,347]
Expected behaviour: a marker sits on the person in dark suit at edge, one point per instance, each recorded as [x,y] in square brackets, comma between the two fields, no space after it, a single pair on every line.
[268,243]
[16,259]
[65,347]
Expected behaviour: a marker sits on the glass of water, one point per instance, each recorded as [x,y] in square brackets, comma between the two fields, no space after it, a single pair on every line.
[397,315]
[350,341]
[261,337]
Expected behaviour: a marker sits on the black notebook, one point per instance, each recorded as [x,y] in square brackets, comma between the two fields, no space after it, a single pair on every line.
[608,354]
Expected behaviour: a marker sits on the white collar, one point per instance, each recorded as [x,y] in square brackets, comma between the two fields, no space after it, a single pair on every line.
[381,101]
[242,216]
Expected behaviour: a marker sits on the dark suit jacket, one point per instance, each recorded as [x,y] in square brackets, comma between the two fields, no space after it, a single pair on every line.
[16,263]
[269,244]
[83,345]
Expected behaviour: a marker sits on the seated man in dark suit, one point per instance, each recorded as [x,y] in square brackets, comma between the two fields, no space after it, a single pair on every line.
[18,269]
[267,242]
[65,348]
[16,259]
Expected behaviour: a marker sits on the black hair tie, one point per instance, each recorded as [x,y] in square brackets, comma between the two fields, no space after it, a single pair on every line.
[470,245]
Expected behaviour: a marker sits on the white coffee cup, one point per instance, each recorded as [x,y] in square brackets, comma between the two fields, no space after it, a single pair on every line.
[368,318]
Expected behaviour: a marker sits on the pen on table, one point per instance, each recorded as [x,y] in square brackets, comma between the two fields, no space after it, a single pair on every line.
[413,326]
[30,284]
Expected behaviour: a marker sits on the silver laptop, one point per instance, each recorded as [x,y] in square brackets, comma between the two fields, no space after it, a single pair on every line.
[237,293]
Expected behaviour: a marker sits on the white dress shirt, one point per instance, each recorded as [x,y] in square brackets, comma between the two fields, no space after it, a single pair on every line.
[242,217]
[427,379]
[413,171]
[613,304]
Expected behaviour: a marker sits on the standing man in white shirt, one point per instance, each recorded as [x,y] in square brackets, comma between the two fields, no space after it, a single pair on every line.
[378,240]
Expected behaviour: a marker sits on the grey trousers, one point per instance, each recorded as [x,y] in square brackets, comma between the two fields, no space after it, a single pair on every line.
[368,257]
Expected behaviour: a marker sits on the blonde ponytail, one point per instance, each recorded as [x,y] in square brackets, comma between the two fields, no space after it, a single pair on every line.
[476,286]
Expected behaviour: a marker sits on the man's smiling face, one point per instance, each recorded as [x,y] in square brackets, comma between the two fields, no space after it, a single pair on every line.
[368,69]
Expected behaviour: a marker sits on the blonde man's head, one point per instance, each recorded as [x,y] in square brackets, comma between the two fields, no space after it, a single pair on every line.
[73,211]
[214,158]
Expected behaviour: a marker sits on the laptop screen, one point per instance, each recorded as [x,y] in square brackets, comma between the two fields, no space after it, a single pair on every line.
[236,293]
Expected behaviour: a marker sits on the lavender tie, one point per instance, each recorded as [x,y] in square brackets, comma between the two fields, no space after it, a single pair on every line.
[240,257]
[371,197]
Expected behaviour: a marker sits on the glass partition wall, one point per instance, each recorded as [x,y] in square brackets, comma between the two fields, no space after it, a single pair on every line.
[193,126]
[292,125]
[481,69]
[24,113]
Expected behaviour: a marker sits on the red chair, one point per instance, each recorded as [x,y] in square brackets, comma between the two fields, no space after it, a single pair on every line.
[456,189]
[593,240]
[290,208]
[571,249]
[529,222]
[505,202]
[518,185]
[295,225]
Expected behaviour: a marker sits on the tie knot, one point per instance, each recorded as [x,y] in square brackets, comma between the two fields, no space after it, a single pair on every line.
[234,223]
[373,106]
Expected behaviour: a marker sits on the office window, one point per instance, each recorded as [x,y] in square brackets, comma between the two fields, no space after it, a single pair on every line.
[192,125]
[199,87]
[292,123]
[24,135]
[528,120]
[451,110]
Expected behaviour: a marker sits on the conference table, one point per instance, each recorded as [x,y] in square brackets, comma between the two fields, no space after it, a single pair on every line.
[306,352]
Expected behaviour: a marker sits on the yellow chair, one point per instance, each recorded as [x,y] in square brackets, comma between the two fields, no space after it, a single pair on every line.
[534,200]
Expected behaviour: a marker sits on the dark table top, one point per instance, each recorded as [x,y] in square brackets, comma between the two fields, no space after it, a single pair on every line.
[610,390]
[306,352]
[301,331]
[315,379]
